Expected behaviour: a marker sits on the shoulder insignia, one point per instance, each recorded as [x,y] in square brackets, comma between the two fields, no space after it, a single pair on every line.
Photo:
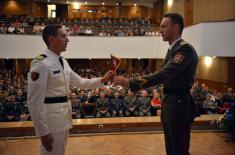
[178,58]
[183,43]
[142,81]
[41,57]
[34,76]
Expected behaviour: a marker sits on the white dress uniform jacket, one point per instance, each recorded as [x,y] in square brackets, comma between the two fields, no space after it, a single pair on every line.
[53,81]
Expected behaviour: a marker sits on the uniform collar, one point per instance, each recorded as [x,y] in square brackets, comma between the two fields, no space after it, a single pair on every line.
[172,45]
[52,55]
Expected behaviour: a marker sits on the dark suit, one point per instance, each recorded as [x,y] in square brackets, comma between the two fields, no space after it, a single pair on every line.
[178,108]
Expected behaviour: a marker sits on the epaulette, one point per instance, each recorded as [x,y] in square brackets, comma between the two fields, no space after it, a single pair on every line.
[41,57]
[183,43]
[142,82]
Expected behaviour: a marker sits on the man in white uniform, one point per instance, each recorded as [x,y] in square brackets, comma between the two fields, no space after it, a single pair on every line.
[49,78]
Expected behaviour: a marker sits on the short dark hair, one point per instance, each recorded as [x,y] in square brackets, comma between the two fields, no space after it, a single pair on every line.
[50,30]
[176,19]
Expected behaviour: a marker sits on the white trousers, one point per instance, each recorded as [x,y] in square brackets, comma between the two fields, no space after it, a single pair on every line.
[59,143]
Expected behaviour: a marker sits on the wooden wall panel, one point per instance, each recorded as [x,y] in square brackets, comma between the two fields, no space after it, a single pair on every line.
[158,11]
[177,7]
[188,12]
[111,12]
[213,10]
[231,72]
[218,71]
[40,10]
[10,8]
[136,12]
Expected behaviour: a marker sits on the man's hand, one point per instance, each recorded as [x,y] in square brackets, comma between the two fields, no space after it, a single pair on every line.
[108,76]
[131,109]
[145,111]
[47,142]
[120,80]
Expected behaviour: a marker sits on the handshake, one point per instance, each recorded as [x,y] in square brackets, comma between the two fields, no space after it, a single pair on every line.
[117,80]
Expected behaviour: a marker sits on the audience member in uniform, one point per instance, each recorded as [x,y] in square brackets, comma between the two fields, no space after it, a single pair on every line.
[20,97]
[24,112]
[2,105]
[131,104]
[76,108]
[82,96]
[103,106]
[229,96]
[12,109]
[209,106]
[116,106]
[144,104]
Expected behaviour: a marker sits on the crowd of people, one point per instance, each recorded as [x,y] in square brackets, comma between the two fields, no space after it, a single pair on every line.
[84,27]
[108,101]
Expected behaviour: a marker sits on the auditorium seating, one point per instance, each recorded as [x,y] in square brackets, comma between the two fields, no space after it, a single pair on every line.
[85,27]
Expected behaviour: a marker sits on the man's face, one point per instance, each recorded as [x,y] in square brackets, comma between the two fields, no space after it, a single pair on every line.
[12,99]
[60,40]
[73,96]
[82,93]
[102,94]
[19,93]
[130,93]
[116,95]
[166,29]
[144,94]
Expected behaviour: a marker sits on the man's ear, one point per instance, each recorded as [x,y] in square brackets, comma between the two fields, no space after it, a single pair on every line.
[51,39]
[176,27]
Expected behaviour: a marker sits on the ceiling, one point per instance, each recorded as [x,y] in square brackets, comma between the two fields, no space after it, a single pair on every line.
[147,3]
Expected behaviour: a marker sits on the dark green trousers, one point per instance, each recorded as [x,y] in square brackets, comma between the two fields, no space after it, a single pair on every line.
[177,139]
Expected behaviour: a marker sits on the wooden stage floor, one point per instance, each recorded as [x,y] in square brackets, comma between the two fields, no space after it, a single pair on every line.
[202,143]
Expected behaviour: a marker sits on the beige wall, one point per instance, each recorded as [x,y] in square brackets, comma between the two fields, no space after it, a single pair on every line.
[218,71]
[213,10]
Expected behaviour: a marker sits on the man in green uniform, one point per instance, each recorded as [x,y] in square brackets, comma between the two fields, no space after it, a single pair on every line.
[144,104]
[130,104]
[103,106]
[177,76]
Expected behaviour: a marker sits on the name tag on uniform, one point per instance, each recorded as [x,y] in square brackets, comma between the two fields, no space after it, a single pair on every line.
[56,72]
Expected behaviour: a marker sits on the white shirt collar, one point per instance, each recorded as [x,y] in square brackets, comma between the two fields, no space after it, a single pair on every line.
[171,46]
[52,55]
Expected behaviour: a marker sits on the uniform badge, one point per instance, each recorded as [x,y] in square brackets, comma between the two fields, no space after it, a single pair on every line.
[178,58]
[34,76]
